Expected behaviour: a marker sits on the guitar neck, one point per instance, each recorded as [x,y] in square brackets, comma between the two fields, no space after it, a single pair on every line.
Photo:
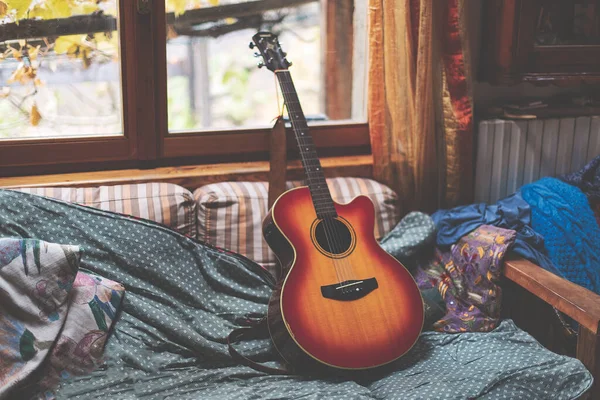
[319,191]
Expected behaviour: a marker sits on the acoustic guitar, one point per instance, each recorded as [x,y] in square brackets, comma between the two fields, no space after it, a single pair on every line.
[341,301]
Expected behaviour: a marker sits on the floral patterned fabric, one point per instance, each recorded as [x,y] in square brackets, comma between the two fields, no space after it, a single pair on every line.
[35,280]
[54,319]
[467,277]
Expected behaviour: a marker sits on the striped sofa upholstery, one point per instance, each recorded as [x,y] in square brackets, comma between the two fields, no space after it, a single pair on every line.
[230,214]
[165,203]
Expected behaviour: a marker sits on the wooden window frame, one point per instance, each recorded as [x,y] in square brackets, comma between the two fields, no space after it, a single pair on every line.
[146,142]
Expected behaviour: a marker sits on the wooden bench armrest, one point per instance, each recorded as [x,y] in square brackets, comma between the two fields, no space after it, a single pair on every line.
[575,301]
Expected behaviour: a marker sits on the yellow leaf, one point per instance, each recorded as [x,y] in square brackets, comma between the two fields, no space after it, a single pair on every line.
[33,51]
[41,11]
[20,7]
[3,9]
[107,43]
[60,8]
[63,44]
[17,54]
[214,2]
[35,115]
[84,8]
[171,34]
[178,6]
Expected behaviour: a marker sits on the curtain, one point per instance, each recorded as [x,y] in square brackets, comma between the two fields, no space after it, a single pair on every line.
[420,106]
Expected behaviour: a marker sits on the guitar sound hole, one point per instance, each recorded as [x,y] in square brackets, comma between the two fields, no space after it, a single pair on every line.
[333,237]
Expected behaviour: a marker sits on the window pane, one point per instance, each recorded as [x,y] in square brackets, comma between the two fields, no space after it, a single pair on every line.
[213,80]
[59,69]
[568,23]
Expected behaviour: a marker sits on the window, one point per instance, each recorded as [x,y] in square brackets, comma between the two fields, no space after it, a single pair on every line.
[65,79]
[108,83]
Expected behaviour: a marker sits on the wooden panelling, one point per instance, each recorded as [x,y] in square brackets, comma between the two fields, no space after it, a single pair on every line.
[195,176]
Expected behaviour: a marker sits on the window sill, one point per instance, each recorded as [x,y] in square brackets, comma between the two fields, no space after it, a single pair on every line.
[193,176]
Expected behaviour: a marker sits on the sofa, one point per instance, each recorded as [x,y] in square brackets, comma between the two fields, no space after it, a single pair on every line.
[229,215]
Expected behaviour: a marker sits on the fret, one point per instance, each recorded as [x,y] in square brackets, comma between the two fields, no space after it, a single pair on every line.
[316,182]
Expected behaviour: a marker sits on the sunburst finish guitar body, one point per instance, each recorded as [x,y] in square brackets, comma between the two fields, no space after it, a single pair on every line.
[341,300]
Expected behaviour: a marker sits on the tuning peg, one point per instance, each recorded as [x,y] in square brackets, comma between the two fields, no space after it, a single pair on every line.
[289,63]
[252,45]
[284,53]
[260,64]
[256,54]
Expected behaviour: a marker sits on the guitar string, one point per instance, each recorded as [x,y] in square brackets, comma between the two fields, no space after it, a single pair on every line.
[284,85]
[329,224]
[330,228]
[327,228]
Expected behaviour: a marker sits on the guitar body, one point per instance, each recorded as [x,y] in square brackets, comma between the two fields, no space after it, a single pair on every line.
[347,305]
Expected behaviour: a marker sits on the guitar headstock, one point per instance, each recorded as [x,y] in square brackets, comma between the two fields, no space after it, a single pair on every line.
[270,51]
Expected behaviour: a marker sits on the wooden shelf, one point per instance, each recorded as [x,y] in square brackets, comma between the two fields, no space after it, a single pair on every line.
[543,113]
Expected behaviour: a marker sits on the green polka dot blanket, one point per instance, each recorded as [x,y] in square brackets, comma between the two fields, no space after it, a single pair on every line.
[184,297]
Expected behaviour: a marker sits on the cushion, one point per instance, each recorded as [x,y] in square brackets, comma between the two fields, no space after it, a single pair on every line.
[79,349]
[230,214]
[35,280]
[54,318]
[165,203]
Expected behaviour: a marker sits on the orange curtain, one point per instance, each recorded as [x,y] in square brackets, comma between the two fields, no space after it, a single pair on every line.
[420,107]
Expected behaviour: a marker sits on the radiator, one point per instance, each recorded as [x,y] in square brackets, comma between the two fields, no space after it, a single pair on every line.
[513,153]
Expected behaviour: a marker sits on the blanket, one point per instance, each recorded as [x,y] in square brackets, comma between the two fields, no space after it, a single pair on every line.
[184,297]
[561,213]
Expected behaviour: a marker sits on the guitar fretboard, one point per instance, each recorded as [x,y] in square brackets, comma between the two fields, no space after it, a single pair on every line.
[319,191]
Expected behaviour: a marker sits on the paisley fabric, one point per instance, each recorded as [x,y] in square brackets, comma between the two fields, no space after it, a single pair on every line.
[467,278]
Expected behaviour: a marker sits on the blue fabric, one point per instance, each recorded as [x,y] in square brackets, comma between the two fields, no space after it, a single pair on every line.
[561,213]
[511,212]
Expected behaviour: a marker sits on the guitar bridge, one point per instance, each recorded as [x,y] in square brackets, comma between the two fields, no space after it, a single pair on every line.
[349,290]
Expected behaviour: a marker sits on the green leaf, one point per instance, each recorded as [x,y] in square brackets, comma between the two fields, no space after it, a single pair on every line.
[98,315]
[26,345]
[36,255]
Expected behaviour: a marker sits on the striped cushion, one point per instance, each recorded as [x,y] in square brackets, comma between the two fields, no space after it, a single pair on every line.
[165,203]
[230,214]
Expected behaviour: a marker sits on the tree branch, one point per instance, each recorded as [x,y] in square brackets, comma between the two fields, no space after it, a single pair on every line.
[76,25]
[84,24]
[254,21]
